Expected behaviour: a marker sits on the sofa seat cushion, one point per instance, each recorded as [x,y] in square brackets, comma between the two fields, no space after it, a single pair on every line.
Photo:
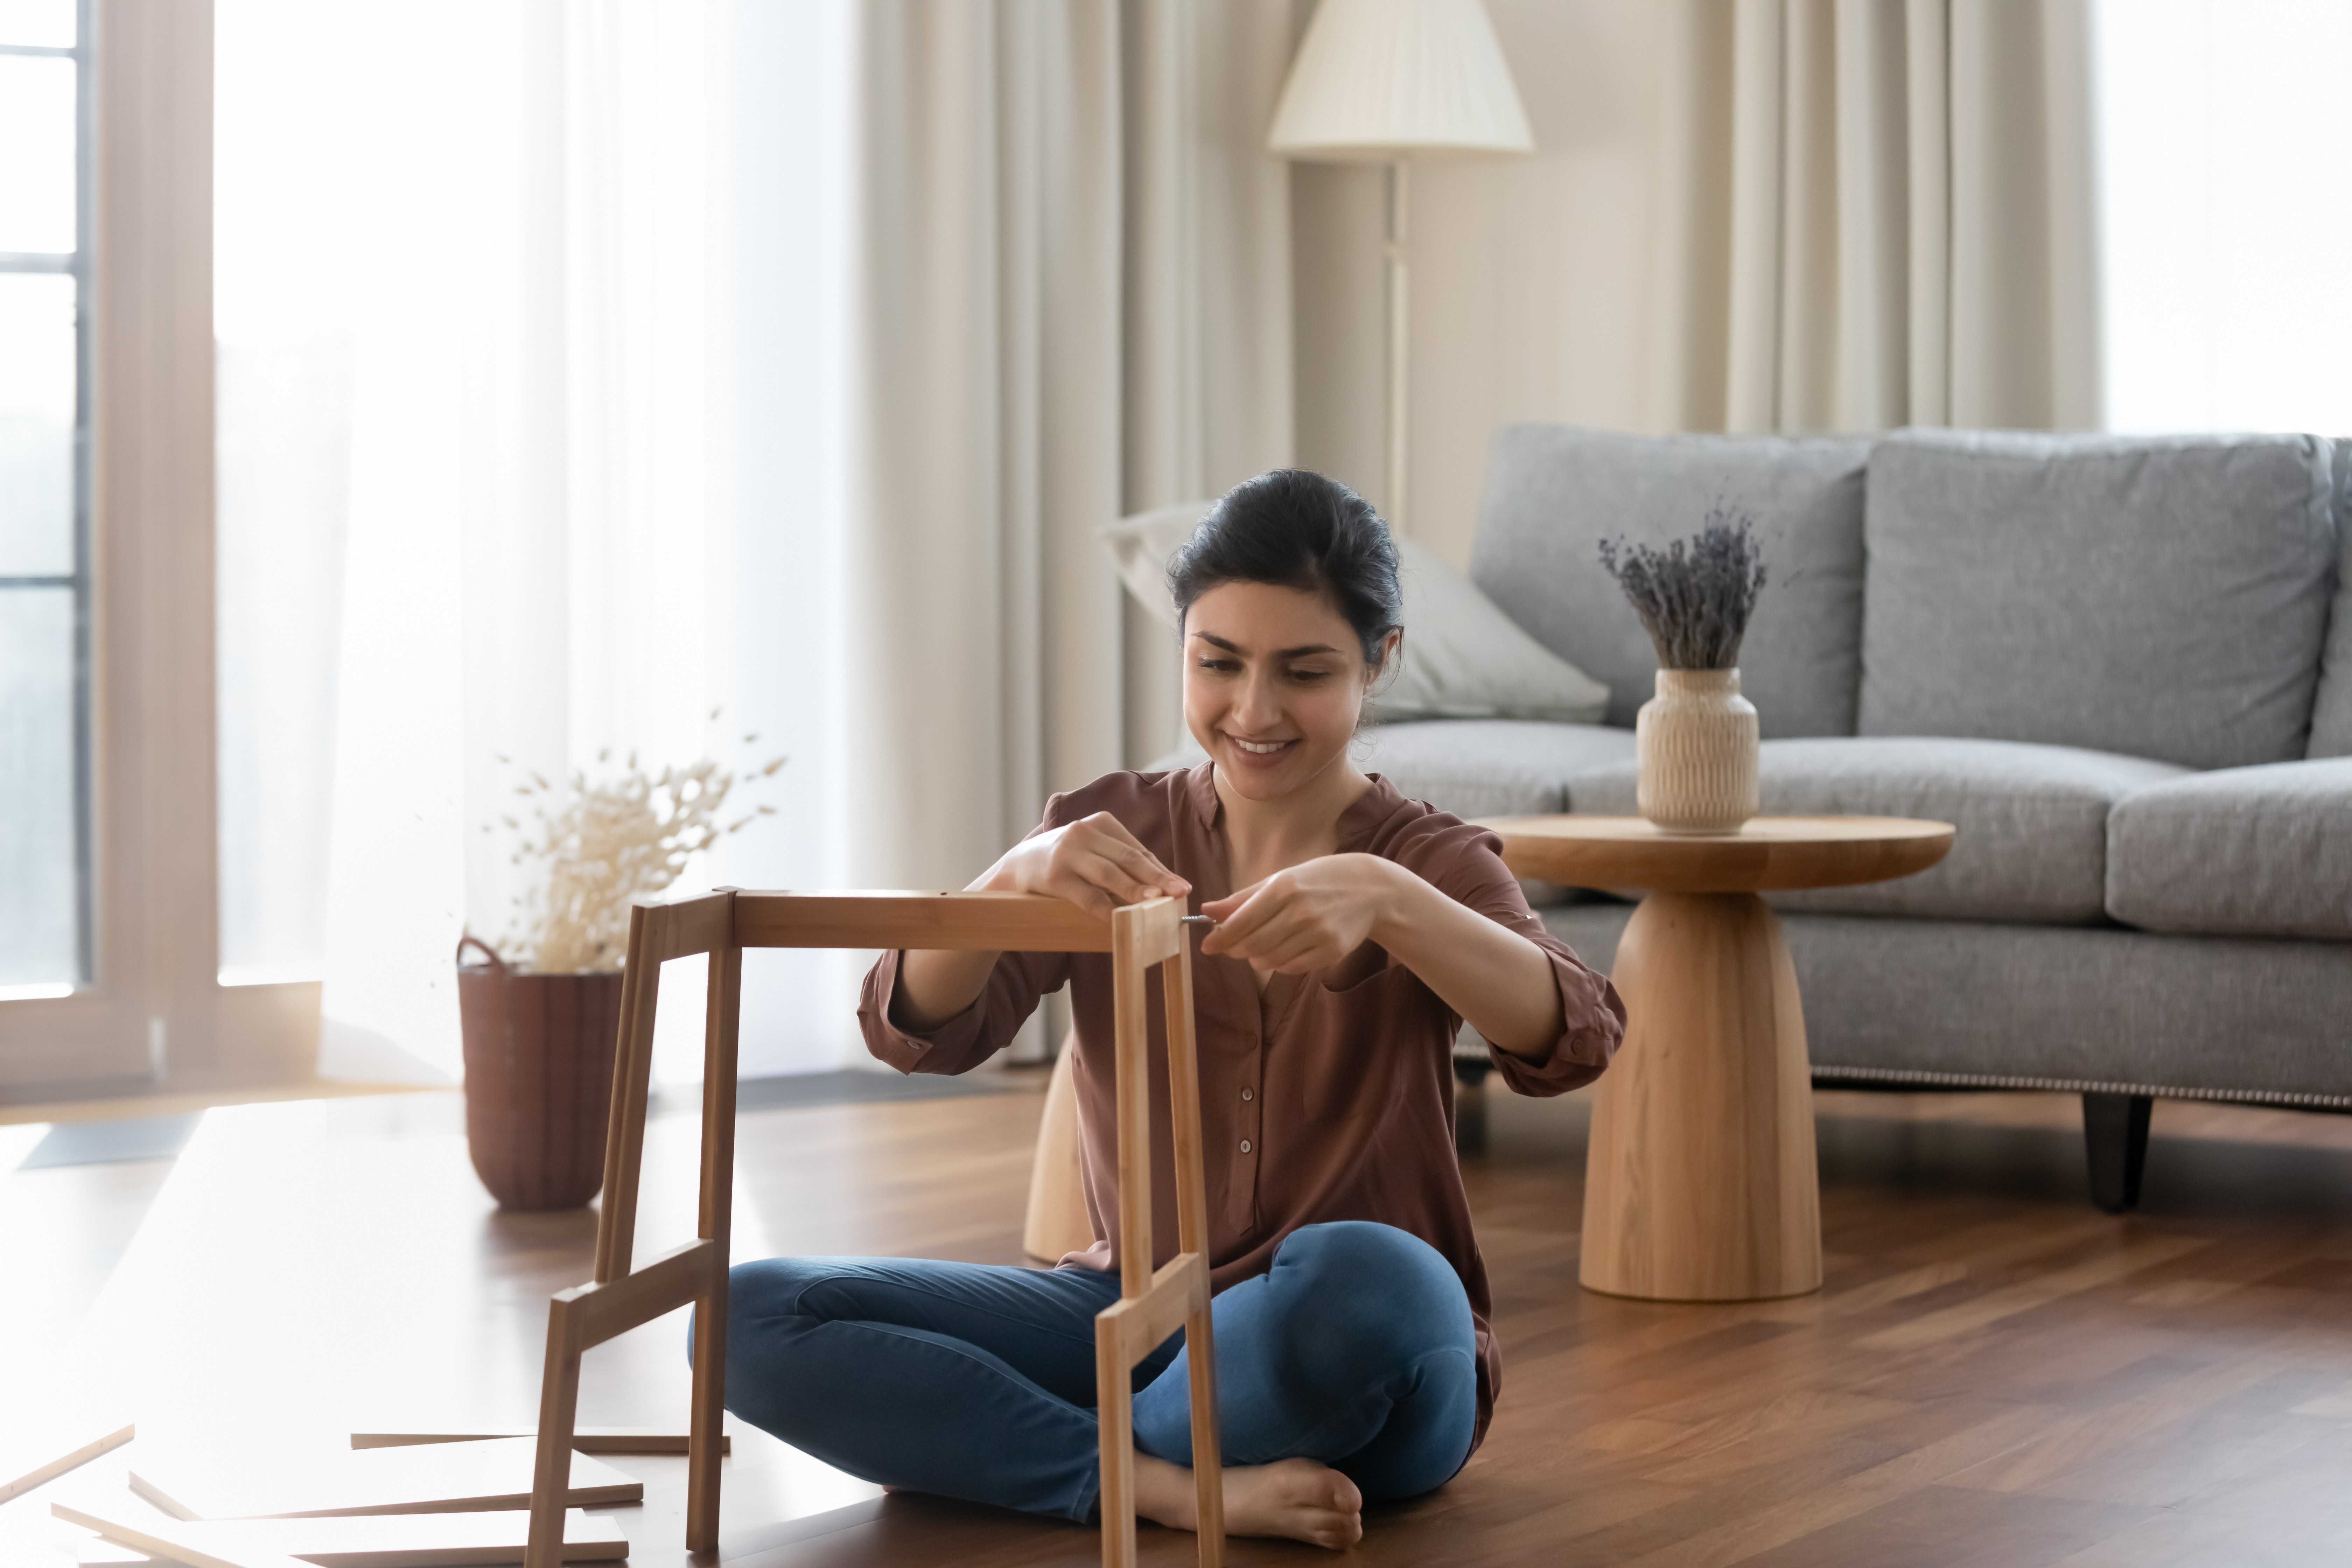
[2263,851]
[2033,820]
[1489,767]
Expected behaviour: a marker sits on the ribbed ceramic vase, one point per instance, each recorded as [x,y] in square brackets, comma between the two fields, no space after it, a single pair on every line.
[1694,743]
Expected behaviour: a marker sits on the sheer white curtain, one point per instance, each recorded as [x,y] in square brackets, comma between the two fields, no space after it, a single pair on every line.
[776,361]
[2224,127]
[530,319]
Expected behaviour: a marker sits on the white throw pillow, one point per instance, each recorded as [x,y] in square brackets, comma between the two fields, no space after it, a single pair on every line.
[1463,659]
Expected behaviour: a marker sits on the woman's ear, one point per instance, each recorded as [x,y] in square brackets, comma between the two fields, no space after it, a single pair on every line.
[1391,649]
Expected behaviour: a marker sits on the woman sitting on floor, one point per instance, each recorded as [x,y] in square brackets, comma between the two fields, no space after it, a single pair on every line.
[1356,929]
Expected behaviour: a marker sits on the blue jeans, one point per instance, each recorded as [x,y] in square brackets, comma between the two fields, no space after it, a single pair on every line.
[978,1381]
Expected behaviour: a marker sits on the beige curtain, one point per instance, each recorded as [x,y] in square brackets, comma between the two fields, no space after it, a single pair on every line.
[1072,299]
[1875,213]
[1208,318]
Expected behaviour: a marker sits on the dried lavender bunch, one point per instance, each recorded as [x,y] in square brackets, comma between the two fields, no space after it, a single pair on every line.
[1695,596]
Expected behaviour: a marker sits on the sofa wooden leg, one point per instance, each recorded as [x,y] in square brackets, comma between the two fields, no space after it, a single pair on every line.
[2115,1135]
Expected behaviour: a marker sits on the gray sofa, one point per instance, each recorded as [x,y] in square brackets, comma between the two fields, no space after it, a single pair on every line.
[2122,666]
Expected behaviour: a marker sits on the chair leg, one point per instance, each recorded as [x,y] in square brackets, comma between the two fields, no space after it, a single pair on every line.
[559,1408]
[2114,1137]
[719,1064]
[709,1401]
[1115,1422]
[1208,1463]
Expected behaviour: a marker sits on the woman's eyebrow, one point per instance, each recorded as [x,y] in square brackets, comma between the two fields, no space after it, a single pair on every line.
[1278,653]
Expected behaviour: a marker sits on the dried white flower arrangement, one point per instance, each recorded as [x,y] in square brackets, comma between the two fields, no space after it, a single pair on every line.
[598,846]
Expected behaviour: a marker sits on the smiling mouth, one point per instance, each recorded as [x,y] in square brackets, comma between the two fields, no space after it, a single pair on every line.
[1260,748]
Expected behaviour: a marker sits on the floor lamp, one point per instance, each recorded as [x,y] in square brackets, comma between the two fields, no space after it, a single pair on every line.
[1390,81]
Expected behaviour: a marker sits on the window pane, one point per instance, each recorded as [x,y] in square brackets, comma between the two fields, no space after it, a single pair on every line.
[2223,231]
[40,887]
[37,424]
[38,170]
[48,23]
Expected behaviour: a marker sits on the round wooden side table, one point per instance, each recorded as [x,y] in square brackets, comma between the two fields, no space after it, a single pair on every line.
[1699,1183]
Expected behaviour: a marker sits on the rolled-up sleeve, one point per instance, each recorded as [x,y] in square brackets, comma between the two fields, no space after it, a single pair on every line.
[1593,1025]
[1592,1017]
[973,1035]
[980,1030]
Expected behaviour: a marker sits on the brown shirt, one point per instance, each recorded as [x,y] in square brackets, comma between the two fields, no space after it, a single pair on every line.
[1331,1097]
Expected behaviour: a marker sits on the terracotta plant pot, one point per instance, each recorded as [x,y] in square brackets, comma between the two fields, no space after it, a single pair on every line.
[1694,744]
[538,1080]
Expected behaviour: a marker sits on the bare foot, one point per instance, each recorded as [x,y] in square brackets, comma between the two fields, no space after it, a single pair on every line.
[1294,1498]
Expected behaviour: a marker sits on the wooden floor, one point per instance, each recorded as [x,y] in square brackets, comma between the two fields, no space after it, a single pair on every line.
[1995,1373]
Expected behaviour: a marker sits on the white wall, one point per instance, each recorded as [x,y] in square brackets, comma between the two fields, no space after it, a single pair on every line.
[1529,281]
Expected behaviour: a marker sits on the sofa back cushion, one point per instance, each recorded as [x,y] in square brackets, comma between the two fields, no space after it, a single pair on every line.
[1554,492]
[2162,598]
[2331,710]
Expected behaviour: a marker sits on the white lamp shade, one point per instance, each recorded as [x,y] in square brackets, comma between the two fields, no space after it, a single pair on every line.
[1381,80]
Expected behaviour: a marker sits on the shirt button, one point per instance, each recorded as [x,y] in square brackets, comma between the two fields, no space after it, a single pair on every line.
[1249,1094]
[1245,1146]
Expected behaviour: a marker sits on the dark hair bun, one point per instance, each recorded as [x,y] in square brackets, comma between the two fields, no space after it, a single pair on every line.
[1297,530]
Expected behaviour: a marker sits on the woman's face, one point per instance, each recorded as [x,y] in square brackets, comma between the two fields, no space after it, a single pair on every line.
[1274,681]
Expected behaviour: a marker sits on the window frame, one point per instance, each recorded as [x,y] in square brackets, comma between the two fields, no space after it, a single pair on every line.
[76,264]
[151,1012]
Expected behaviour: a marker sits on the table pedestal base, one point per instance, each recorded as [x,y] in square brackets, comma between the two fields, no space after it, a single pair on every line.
[1700,1183]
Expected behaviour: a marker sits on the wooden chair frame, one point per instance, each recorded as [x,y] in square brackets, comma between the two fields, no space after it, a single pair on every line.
[1152,1305]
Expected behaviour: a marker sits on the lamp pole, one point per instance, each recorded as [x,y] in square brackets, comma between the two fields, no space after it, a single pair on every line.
[1399,338]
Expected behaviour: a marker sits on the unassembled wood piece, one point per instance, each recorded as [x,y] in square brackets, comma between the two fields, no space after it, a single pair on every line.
[442,1477]
[584,1439]
[171,1540]
[51,1461]
[384,1541]
[620,1298]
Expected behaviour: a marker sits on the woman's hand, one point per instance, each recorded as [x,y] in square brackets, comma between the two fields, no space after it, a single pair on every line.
[1094,862]
[1313,915]
[1305,918]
